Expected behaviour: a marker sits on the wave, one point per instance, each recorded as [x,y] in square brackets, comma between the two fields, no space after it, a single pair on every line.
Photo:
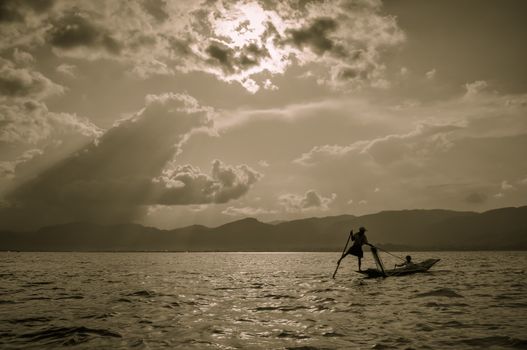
[332,334]
[68,335]
[286,334]
[225,307]
[433,304]
[280,308]
[70,297]
[143,293]
[36,284]
[36,298]
[278,296]
[441,292]
[493,341]
[29,320]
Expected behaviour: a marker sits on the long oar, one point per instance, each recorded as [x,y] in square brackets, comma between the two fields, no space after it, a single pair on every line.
[343,252]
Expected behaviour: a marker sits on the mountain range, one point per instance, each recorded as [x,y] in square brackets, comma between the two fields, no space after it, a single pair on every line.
[499,229]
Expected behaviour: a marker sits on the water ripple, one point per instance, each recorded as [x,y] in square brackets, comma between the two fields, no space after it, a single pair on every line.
[258,301]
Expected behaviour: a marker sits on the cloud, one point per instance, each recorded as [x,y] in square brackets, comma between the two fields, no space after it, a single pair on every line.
[9,12]
[475,88]
[130,167]
[185,184]
[431,74]
[22,57]
[455,156]
[247,211]
[322,153]
[111,178]
[30,122]
[347,39]
[316,36]
[468,145]
[296,112]
[75,30]
[67,69]
[247,42]
[506,186]
[157,9]
[8,168]
[268,85]
[311,200]
[424,140]
[14,10]
[24,82]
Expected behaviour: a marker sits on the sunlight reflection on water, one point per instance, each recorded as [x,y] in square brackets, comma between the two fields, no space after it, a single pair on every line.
[259,301]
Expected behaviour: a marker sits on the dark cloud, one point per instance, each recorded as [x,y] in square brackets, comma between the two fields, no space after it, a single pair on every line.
[221,55]
[39,5]
[10,12]
[251,54]
[233,61]
[139,40]
[115,178]
[315,35]
[107,180]
[180,46]
[157,9]
[232,40]
[25,82]
[14,10]
[303,4]
[75,29]
[359,72]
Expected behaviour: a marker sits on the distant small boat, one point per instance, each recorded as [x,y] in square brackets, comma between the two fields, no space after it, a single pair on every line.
[422,266]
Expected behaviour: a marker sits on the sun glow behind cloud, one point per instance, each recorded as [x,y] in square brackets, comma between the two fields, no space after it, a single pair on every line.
[252,34]
[242,24]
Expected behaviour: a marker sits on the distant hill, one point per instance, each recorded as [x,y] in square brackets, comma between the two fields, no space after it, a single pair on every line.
[500,229]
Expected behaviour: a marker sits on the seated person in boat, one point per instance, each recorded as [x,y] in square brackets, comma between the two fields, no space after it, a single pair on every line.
[407,263]
[359,239]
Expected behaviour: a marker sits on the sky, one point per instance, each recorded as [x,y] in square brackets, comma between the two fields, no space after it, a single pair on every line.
[174,113]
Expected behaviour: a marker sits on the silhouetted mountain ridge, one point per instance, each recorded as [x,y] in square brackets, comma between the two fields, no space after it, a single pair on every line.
[499,229]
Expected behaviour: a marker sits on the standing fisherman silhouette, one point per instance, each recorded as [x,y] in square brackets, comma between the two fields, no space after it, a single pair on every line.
[359,239]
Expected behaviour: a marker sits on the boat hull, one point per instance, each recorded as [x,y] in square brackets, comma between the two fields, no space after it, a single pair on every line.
[422,266]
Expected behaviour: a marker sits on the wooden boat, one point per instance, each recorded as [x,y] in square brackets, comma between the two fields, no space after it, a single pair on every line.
[412,268]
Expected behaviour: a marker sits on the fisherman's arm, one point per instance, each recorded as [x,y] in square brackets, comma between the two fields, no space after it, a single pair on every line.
[366,242]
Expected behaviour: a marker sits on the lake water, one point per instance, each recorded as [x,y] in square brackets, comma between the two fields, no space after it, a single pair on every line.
[259,301]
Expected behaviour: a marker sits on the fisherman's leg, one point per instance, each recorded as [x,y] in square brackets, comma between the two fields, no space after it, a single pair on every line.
[359,262]
[342,257]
